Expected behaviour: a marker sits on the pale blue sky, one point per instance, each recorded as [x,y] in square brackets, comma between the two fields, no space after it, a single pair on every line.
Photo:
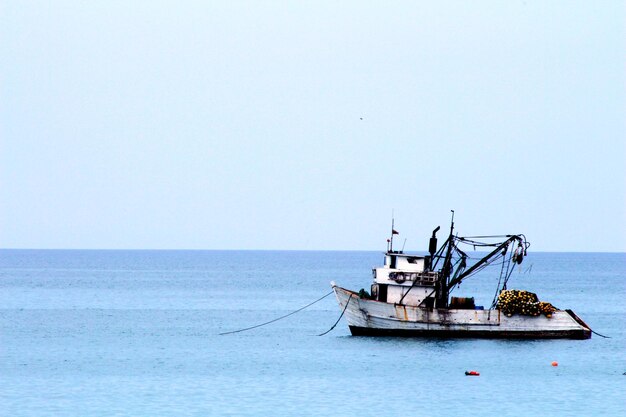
[237,125]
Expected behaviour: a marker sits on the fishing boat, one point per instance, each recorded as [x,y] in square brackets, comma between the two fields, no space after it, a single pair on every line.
[410,295]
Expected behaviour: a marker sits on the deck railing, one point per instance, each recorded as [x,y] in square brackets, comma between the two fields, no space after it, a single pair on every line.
[423,278]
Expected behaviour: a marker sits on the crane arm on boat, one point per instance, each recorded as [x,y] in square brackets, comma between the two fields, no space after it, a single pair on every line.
[457,280]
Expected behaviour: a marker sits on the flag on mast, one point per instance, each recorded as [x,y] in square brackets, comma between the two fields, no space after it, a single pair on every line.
[394,232]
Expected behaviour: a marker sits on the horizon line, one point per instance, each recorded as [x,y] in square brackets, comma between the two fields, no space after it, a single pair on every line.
[265,250]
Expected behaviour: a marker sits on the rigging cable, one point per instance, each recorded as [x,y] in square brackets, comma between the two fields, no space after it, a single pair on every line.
[279,318]
[487,264]
[506,279]
[486,237]
[493,302]
[508,273]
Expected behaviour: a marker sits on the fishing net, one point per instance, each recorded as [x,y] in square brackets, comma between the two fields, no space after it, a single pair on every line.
[524,303]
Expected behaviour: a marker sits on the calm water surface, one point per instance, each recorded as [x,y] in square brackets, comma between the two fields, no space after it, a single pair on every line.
[101,333]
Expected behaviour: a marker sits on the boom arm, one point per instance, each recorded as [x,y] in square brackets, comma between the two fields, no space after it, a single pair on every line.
[483,261]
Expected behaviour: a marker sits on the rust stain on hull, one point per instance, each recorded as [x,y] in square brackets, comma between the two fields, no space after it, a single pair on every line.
[401,313]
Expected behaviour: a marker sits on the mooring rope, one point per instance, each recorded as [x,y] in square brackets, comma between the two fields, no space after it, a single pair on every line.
[279,318]
[344,310]
[601,335]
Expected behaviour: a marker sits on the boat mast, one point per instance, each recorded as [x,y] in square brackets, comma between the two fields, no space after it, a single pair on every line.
[442,283]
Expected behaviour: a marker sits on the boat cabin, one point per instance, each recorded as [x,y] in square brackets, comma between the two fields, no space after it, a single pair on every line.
[405,279]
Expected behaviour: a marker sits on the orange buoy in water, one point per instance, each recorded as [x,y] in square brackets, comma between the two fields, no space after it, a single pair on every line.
[555,363]
[472,373]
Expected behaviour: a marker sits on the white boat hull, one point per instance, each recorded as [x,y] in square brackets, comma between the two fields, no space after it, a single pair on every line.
[375,318]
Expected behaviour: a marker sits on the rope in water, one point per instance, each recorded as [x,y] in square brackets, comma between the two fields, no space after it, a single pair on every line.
[344,310]
[279,318]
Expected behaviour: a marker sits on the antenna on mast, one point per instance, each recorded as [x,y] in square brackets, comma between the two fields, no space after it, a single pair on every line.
[393,232]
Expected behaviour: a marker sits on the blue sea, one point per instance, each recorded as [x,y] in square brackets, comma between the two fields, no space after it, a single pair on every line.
[136,333]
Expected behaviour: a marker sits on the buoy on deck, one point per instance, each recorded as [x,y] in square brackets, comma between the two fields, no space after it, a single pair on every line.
[472,373]
[555,363]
